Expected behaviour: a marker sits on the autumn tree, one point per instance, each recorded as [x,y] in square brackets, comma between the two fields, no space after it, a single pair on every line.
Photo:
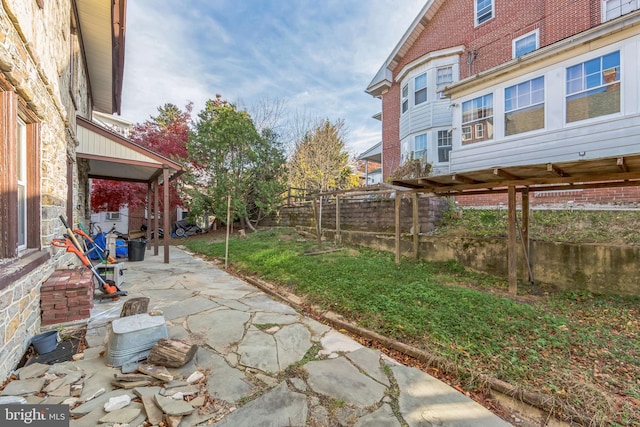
[319,161]
[165,134]
[231,157]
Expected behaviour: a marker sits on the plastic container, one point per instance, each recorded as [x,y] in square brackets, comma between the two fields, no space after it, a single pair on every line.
[45,342]
[136,249]
[131,338]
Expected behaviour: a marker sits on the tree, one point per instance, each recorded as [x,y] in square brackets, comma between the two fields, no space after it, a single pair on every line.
[165,134]
[231,157]
[319,161]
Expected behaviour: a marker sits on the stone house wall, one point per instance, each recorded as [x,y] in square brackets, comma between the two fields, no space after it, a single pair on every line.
[36,45]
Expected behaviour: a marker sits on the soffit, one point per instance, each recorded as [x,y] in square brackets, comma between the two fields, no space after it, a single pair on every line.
[103,50]
[110,156]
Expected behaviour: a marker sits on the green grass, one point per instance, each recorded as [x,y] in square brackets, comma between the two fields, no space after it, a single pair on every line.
[577,226]
[577,347]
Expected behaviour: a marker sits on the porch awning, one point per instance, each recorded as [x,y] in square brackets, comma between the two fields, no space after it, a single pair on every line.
[111,156]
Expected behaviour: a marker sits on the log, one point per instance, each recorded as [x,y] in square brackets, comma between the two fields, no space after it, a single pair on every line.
[171,352]
[133,306]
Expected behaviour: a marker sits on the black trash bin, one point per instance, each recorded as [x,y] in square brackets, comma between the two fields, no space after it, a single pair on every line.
[136,249]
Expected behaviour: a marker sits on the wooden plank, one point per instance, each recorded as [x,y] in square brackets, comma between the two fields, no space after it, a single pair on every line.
[622,165]
[338,236]
[512,243]
[525,232]
[416,225]
[397,225]
[554,169]
[463,179]
[506,175]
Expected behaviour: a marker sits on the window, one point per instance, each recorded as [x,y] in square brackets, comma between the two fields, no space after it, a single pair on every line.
[21,167]
[444,76]
[19,178]
[420,150]
[477,119]
[444,145]
[525,44]
[420,88]
[405,98]
[524,107]
[484,11]
[405,151]
[611,9]
[593,88]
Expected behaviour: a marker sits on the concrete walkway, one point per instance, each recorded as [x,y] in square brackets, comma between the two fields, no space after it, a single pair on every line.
[267,365]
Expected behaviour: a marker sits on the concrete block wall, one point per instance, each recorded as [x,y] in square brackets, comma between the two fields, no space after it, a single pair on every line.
[67,296]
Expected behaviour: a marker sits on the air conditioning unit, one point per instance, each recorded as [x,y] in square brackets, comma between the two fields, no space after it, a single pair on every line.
[113,216]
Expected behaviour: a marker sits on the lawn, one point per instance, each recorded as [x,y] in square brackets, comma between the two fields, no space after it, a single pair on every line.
[581,350]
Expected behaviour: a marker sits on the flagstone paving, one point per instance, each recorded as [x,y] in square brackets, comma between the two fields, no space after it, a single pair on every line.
[264,363]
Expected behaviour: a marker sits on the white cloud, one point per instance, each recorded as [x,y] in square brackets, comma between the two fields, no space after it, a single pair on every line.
[317,56]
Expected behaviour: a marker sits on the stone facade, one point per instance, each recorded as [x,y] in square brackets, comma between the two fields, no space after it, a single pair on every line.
[40,59]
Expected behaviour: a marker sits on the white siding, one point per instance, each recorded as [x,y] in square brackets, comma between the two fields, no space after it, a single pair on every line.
[606,136]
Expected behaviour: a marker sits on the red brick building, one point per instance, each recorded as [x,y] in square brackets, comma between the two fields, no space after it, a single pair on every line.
[493,83]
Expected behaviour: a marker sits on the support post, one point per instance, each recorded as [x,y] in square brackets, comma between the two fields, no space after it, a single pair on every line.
[165,220]
[338,236]
[416,225]
[397,202]
[148,207]
[226,245]
[156,195]
[512,243]
[525,232]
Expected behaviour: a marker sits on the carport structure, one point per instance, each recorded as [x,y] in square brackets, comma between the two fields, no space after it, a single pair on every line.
[620,171]
[113,157]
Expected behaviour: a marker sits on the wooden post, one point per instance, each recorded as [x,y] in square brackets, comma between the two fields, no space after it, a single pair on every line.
[338,236]
[512,243]
[397,201]
[148,207]
[226,247]
[165,215]
[320,219]
[416,225]
[156,195]
[525,232]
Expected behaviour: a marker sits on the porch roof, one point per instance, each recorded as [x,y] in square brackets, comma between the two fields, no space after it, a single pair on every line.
[114,157]
[620,171]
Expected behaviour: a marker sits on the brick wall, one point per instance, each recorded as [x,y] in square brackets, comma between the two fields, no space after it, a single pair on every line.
[627,196]
[66,296]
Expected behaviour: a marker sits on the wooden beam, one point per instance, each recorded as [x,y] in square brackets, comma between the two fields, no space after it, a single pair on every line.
[621,164]
[524,232]
[397,223]
[506,175]
[165,220]
[416,225]
[156,214]
[556,170]
[429,183]
[338,236]
[463,179]
[512,247]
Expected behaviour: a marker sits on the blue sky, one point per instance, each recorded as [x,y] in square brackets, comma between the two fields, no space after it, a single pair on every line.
[316,56]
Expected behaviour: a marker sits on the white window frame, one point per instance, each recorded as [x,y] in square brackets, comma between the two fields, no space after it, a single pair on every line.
[421,88]
[491,14]
[514,44]
[612,9]
[524,100]
[583,81]
[444,145]
[421,153]
[404,98]
[441,83]
[470,129]
[21,172]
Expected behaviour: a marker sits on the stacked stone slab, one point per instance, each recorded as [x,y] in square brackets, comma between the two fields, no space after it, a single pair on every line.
[66,296]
